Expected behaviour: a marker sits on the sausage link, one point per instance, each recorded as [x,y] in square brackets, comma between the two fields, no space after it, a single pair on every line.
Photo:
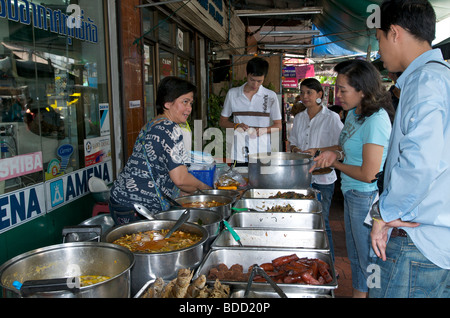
[284,260]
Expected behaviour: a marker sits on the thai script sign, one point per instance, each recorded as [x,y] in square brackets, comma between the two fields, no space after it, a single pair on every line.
[74,25]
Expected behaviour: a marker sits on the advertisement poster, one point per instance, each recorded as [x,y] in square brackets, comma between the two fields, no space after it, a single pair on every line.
[96,150]
[104,119]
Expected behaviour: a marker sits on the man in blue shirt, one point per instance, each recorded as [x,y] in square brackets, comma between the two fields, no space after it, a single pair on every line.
[411,227]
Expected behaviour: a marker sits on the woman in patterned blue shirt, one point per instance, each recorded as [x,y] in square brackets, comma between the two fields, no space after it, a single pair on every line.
[157,165]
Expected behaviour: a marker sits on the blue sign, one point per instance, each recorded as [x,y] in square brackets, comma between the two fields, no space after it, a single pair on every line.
[47,19]
[21,206]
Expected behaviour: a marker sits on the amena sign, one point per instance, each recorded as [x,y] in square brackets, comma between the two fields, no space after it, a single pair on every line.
[28,203]
[73,25]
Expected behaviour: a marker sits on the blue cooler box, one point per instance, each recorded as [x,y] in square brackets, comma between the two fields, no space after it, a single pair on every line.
[205,176]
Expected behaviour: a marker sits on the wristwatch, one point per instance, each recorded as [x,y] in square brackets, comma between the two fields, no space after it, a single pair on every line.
[375,211]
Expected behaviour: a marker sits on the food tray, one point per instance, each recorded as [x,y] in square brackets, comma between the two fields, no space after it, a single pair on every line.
[266,193]
[239,293]
[150,283]
[311,206]
[274,238]
[247,257]
[285,220]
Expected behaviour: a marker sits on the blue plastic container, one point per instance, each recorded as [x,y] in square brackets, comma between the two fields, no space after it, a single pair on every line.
[205,176]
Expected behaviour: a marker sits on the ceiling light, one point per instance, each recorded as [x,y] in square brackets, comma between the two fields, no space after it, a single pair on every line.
[253,13]
[290,33]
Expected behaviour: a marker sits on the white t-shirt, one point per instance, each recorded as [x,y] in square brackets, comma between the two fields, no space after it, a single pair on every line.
[321,131]
[258,112]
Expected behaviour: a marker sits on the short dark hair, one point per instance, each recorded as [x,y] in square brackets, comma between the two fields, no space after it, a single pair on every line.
[312,83]
[415,16]
[169,89]
[365,78]
[257,66]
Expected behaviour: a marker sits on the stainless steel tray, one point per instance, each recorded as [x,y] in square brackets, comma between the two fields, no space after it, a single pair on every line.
[266,193]
[285,220]
[247,257]
[239,293]
[274,238]
[150,283]
[311,206]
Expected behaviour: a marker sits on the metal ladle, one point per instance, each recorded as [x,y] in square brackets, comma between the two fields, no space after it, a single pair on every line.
[142,210]
[181,220]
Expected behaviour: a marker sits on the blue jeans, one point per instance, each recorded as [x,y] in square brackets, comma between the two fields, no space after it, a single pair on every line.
[406,273]
[326,194]
[357,235]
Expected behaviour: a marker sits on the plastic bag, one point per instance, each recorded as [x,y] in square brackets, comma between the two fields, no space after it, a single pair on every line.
[230,179]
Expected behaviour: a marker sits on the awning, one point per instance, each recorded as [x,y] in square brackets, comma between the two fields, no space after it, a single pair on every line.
[344,22]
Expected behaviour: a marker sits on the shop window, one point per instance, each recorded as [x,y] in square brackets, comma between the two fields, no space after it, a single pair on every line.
[166,64]
[183,68]
[148,81]
[165,29]
[148,24]
[53,91]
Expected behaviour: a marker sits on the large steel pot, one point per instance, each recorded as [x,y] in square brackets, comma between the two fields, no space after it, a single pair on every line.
[150,266]
[279,170]
[210,220]
[68,260]
[224,209]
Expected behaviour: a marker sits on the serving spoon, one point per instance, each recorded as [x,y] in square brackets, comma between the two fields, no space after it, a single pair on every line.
[181,220]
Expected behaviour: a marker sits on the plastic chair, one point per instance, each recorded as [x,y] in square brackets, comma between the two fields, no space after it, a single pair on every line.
[100,207]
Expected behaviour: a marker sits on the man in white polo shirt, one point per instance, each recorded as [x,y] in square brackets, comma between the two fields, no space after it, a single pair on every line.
[255,110]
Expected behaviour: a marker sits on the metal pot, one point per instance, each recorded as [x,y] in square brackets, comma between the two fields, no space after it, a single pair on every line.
[224,209]
[150,266]
[279,170]
[228,193]
[71,259]
[210,220]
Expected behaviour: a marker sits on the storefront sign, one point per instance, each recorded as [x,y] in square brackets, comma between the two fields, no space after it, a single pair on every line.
[21,206]
[20,165]
[28,203]
[289,71]
[96,150]
[104,119]
[47,19]
[289,83]
[305,71]
[75,185]
[213,10]
[134,103]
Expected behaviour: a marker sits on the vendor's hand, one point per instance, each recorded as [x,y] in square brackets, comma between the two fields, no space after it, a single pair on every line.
[252,132]
[261,131]
[242,127]
[379,234]
[311,151]
[325,159]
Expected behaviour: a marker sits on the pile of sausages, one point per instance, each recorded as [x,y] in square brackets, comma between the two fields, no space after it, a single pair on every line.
[289,269]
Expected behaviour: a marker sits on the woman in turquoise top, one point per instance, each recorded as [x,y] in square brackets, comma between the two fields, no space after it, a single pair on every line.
[363,146]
